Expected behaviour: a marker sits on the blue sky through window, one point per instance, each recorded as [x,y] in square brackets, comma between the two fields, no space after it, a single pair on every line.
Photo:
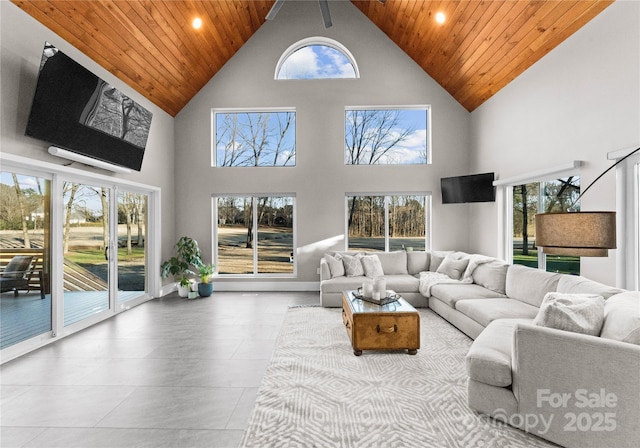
[386,136]
[316,62]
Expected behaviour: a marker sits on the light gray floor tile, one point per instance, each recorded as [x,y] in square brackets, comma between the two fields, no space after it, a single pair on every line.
[175,408]
[12,437]
[242,412]
[138,438]
[72,406]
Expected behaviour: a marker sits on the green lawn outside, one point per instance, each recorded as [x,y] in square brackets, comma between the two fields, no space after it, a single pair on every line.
[564,265]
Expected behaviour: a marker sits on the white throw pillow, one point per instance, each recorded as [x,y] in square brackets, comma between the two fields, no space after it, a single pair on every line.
[453,266]
[353,265]
[372,266]
[579,313]
[336,267]
[622,318]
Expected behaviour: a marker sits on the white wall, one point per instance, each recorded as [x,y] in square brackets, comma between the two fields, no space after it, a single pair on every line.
[21,42]
[579,102]
[320,178]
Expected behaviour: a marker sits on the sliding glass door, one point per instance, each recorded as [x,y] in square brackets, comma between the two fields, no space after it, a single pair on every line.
[25,257]
[132,248]
[85,241]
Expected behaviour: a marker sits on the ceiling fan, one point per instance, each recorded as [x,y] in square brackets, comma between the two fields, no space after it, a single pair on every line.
[324,9]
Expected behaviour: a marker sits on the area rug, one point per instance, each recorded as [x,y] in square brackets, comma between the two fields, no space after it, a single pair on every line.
[316,393]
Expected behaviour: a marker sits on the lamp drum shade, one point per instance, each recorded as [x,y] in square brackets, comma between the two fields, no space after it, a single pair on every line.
[583,234]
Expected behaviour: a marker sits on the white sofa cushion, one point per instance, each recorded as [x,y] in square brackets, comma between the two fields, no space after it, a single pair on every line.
[452,293]
[340,284]
[491,275]
[530,285]
[580,313]
[486,311]
[573,284]
[489,357]
[622,318]
[393,262]
[336,267]
[372,266]
[418,261]
[402,283]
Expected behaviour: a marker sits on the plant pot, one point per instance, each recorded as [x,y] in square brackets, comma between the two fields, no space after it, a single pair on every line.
[183,291]
[205,289]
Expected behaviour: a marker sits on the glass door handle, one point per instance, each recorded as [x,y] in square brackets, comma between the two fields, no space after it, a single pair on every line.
[106,253]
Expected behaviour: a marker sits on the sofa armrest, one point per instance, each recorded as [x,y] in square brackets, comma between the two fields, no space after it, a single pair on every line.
[324,270]
[575,389]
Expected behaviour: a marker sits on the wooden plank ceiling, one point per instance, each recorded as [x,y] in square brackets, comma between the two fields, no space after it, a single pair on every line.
[150,45]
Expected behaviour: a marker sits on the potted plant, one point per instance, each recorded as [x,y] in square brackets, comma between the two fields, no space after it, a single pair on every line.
[179,266]
[205,287]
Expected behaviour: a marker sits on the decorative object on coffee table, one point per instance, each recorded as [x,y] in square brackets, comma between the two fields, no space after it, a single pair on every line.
[394,326]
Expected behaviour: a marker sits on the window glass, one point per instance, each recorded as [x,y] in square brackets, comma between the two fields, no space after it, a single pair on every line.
[316,58]
[387,223]
[542,197]
[255,235]
[397,136]
[245,139]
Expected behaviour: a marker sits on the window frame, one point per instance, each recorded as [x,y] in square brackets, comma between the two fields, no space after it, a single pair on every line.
[251,110]
[414,107]
[315,41]
[628,222]
[256,273]
[427,211]
[504,201]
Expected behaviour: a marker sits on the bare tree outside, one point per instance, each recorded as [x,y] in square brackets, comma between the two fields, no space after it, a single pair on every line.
[385,136]
[246,139]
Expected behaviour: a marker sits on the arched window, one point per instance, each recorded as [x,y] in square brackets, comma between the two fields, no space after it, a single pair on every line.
[316,58]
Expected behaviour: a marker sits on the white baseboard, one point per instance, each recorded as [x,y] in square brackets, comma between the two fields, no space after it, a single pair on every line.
[168,289]
[266,286]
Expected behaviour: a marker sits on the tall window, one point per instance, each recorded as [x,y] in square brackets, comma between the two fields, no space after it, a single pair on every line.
[255,234]
[387,136]
[388,223]
[542,197]
[316,58]
[254,138]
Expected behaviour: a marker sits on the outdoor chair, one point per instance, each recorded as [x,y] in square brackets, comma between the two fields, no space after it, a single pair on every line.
[17,275]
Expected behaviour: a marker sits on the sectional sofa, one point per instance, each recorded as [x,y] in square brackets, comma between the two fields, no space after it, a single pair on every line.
[578,388]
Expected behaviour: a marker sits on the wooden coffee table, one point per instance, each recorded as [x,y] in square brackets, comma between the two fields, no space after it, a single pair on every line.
[395,326]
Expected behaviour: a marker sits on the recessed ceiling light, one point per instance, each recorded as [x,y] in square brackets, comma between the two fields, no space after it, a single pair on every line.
[440,18]
[197,23]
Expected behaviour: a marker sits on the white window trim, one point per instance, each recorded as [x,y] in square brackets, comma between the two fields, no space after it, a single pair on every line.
[247,110]
[316,40]
[504,200]
[628,219]
[427,211]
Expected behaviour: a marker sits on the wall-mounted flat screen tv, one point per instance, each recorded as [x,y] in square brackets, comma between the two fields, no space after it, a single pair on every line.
[473,188]
[76,110]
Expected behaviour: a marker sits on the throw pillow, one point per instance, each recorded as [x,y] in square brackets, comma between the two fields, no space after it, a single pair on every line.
[437,257]
[372,266]
[622,318]
[491,275]
[353,265]
[418,261]
[336,267]
[580,313]
[453,266]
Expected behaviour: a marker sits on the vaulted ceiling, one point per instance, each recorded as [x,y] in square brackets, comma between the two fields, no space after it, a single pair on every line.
[150,45]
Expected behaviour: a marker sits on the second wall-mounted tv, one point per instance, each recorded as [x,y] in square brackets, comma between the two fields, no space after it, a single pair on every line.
[472,188]
[76,110]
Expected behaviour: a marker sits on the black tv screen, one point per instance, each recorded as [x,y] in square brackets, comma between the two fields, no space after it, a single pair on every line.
[473,188]
[76,110]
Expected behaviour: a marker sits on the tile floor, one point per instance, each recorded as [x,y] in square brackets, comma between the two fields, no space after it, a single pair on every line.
[169,373]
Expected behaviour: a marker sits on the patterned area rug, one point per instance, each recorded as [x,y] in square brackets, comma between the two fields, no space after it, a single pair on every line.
[316,393]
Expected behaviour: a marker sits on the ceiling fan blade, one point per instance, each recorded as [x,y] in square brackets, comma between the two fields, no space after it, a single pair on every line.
[274,9]
[326,16]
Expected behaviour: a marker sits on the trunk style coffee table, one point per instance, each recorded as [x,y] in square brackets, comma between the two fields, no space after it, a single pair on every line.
[394,326]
